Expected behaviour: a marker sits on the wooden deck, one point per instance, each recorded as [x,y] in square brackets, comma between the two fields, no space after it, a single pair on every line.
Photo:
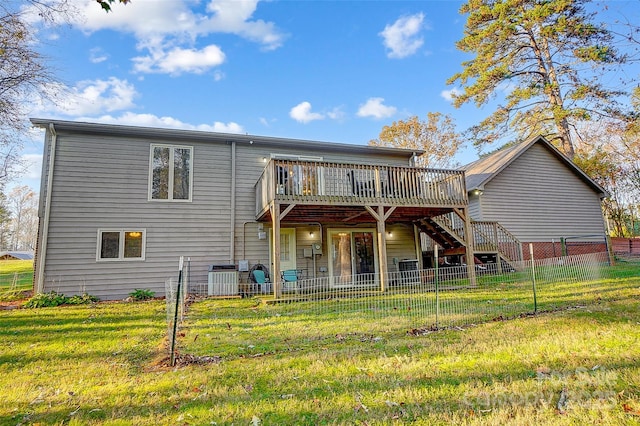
[312,186]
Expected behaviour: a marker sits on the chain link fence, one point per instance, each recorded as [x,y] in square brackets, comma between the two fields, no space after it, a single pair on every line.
[445,296]
[418,301]
[414,302]
[15,283]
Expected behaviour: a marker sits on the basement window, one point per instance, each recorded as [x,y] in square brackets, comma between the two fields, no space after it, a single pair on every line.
[121,245]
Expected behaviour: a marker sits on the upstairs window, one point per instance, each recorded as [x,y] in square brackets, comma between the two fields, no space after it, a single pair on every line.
[170,175]
[121,244]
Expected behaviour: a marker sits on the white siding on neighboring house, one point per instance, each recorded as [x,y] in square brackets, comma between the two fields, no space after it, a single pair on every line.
[538,198]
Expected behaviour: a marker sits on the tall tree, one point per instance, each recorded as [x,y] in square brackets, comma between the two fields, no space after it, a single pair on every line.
[106,4]
[24,73]
[546,56]
[5,219]
[23,202]
[436,136]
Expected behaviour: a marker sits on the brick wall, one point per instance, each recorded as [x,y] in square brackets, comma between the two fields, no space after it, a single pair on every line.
[544,250]
[626,245]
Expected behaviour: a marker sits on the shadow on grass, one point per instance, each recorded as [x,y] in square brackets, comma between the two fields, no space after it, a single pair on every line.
[371,386]
[71,333]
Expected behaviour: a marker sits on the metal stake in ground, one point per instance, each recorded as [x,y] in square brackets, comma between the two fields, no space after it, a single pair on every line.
[533,278]
[435,278]
[175,314]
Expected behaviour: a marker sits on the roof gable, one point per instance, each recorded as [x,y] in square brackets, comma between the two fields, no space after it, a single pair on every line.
[482,171]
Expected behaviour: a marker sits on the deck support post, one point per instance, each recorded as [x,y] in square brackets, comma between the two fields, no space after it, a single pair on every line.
[470,257]
[498,257]
[276,219]
[381,216]
[275,249]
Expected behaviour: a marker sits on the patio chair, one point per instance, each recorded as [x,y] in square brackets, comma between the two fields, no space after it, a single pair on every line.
[361,188]
[282,178]
[259,279]
[290,280]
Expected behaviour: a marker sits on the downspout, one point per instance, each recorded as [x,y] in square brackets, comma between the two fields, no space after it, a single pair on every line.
[47,212]
[412,160]
[232,237]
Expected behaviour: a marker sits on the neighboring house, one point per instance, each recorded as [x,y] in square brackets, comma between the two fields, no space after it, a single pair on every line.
[540,196]
[119,205]
[16,255]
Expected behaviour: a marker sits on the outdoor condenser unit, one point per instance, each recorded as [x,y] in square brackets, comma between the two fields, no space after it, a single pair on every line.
[223,280]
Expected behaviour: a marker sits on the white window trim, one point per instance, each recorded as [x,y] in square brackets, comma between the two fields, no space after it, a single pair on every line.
[121,257]
[169,198]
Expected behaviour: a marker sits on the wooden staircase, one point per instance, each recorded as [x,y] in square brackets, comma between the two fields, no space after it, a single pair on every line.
[488,238]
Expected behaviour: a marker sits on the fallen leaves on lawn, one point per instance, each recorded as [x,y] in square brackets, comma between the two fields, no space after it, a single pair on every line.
[630,409]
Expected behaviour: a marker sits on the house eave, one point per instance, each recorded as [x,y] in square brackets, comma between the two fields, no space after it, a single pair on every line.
[215,137]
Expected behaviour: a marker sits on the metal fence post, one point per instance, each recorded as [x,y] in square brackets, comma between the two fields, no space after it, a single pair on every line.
[533,278]
[435,278]
[175,315]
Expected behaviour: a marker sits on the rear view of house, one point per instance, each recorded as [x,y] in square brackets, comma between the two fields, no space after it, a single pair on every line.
[120,204]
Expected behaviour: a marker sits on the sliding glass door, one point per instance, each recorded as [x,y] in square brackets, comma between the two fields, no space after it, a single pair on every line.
[354,257]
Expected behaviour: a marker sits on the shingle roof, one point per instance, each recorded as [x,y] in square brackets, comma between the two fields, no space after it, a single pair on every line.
[22,255]
[482,171]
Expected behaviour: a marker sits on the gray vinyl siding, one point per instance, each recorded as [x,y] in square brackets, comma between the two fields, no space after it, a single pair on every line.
[538,198]
[101,182]
[400,245]
[475,207]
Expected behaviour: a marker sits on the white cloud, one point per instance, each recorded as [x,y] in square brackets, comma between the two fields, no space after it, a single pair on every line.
[374,108]
[336,114]
[402,37]
[218,75]
[97,96]
[168,30]
[178,60]
[97,55]
[151,120]
[448,95]
[302,113]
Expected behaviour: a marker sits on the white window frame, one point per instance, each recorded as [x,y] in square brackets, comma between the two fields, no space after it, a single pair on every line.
[121,257]
[172,149]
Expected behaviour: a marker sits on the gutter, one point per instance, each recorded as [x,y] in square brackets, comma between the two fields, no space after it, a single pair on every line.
[232,237]
[47,212]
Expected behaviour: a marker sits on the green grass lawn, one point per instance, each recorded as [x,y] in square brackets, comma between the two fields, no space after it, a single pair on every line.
[16,277]
[98,365]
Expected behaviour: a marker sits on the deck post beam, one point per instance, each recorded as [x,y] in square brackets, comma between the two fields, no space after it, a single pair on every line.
[381,216]
[275,249]
[468,236]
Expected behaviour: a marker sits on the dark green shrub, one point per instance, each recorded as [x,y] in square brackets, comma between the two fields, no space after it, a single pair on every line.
[141,294]
[43,300]
[84,299]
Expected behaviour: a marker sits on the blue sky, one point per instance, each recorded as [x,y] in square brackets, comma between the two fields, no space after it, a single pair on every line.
[320,70]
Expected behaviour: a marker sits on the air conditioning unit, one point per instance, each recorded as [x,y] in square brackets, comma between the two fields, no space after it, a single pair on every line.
[223,280]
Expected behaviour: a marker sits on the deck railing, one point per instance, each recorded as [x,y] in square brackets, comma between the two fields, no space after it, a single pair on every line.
[488,237]
[324,182]
[493,237]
